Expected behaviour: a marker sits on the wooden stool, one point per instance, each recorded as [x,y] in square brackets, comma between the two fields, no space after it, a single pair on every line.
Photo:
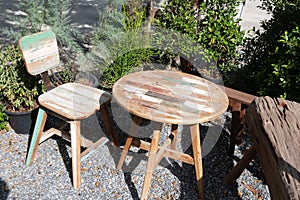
[70,102]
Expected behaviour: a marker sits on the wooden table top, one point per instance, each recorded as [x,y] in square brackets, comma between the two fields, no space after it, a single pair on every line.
[170,97]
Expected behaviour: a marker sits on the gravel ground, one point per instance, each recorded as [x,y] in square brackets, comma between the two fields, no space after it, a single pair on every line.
[49,176]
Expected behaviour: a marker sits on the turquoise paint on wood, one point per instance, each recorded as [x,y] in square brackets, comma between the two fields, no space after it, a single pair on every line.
[37,127]
[93,150]
[32,41]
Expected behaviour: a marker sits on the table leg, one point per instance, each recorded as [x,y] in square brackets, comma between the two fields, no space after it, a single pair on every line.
[125,151]
[174,131]
[136,121]
[150,164]
[195,134]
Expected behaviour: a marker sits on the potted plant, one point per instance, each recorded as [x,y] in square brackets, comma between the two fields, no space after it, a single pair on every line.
[18,90]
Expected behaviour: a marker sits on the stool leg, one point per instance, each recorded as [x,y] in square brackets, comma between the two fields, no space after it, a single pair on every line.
[195,134]
[135,123]
[75,145]
[150,164]
[36,136]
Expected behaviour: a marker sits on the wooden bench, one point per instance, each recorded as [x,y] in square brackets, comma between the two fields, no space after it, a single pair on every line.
[274,126]
[238,101]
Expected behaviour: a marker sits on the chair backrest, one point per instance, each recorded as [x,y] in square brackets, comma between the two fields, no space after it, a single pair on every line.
[40,52]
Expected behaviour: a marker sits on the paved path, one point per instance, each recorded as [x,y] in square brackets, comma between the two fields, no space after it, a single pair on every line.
[252,15]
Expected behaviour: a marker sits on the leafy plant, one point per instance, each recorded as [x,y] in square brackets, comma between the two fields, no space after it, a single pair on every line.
[18,89]
[118,45]
[271,57]
[212,24]
[3,118]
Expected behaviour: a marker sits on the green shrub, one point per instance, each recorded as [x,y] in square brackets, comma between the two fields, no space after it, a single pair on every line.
[271,56]
[3,118]
[213,25]
[18,89]
[43,15]
[118,45]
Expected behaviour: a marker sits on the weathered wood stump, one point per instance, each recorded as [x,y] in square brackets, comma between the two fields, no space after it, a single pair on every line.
[274,126]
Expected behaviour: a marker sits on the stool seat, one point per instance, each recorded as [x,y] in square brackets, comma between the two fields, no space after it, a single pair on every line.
[74,101]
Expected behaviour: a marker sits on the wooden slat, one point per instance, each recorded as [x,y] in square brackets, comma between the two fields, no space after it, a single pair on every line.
[74,100]
[36,136]
[40,52]
[167,152]
[170,97]
[195,135]
[230,179]
[238,96]
[92,148]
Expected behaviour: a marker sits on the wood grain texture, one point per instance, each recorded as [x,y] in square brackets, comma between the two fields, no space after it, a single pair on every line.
[40,52]
[170,97]
[274,125]
[75,144]
[70,102]
[74,100]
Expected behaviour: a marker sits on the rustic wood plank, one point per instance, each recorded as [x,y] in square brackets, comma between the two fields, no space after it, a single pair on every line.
[239,96]
[274,125]
[155,95]
[40,52]
[74,100]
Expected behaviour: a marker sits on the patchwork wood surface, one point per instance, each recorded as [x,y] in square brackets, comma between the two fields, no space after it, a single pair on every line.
[74,100]
[40,52]
[170,97]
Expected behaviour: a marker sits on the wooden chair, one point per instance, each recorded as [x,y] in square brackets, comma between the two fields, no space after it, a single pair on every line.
[71,102]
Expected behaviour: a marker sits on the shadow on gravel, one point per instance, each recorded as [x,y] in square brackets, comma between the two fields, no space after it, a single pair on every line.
[215,167]
[4,190]
[254,166]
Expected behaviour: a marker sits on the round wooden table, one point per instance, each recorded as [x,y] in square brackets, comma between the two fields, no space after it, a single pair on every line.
[172,98]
